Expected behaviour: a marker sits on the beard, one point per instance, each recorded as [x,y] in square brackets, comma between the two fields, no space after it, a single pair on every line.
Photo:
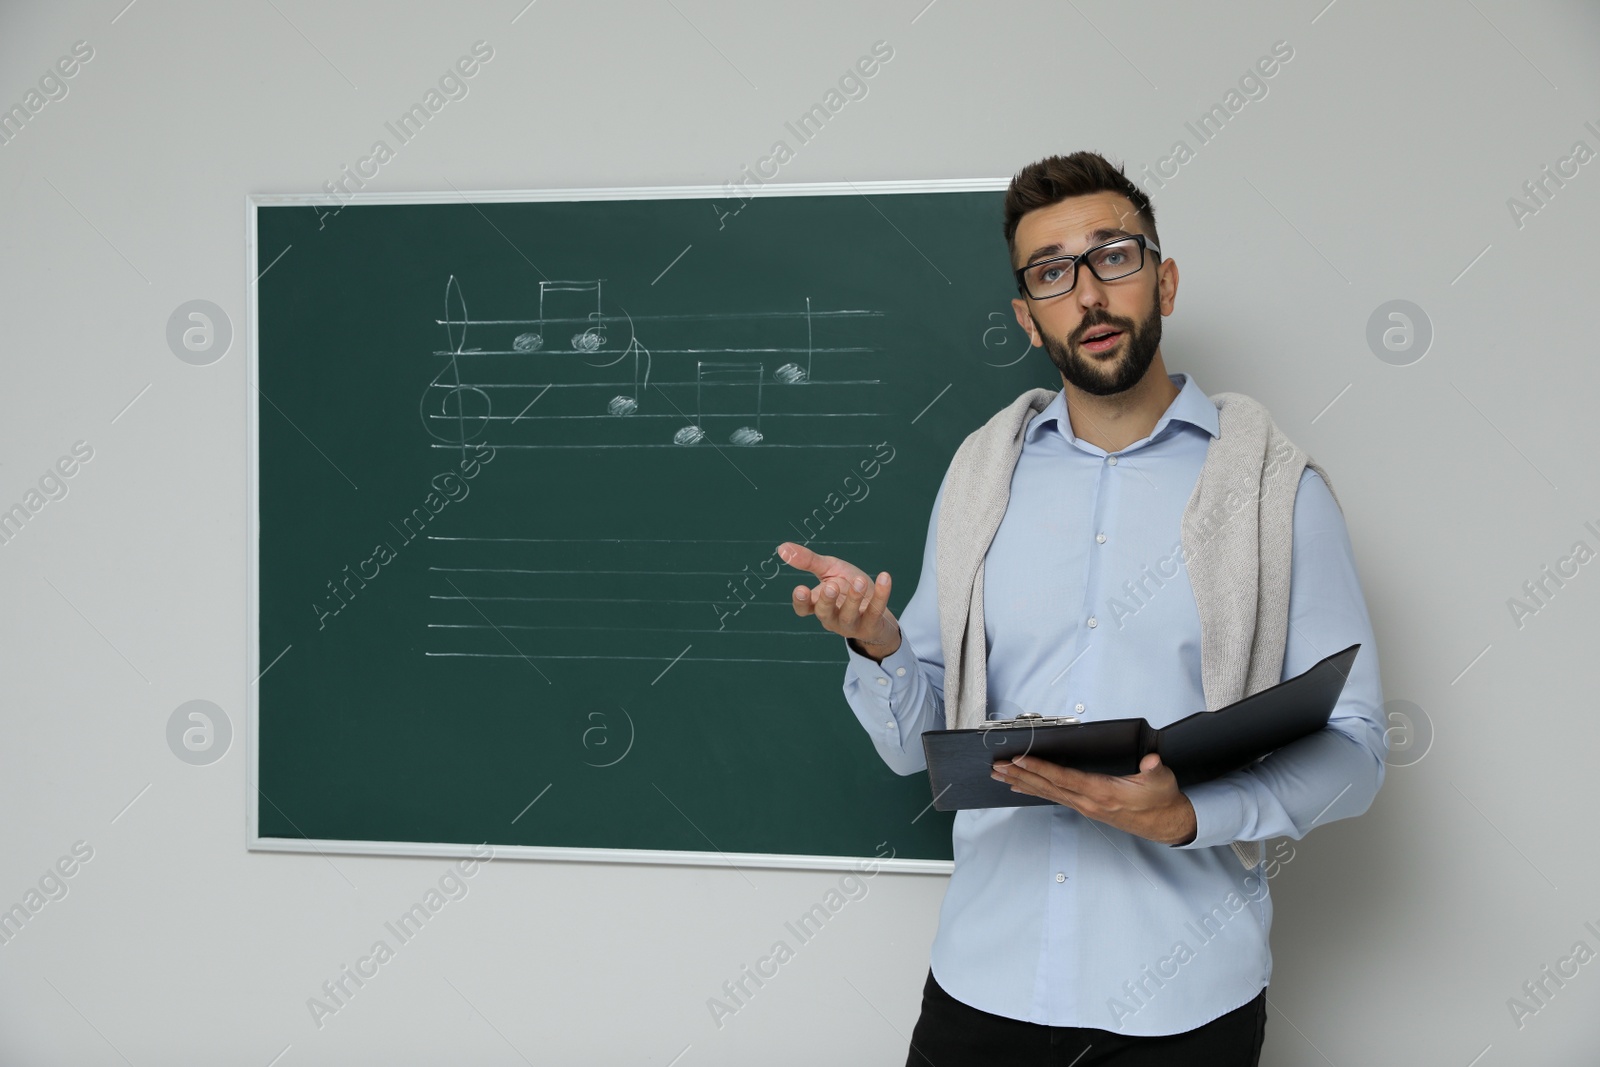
[1135,349]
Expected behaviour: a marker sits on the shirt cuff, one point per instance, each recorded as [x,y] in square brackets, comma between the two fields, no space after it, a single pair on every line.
[887,679]
[1219,814]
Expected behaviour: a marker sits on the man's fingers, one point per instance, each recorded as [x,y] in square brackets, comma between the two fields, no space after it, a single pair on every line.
[846,603]
[861,598]
[850,604]
[1041,782]
[829,597]
[1041,773]
[802,558]
[875,601]
[843,573]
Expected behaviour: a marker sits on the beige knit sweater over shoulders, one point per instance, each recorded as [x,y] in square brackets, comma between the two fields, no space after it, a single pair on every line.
[1237,537]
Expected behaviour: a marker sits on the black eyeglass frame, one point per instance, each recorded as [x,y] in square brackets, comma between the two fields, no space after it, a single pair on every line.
[1143,241]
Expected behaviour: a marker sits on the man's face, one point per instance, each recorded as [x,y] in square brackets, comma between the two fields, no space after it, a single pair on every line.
[1131,306]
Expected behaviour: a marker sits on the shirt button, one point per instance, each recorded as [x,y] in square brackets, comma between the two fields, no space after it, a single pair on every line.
[883,681]
[1100,537]
[1080,707]
[1111,460]
[900,671]
[890,724]
[1092,623]
[1060,877]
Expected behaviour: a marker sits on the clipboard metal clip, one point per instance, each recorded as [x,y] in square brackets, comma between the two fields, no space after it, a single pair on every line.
[1027,718]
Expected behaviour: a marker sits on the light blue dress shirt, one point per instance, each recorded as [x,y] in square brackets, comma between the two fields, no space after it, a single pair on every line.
[1055,918]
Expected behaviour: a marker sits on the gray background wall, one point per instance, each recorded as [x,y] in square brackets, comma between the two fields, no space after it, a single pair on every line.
[1377,167]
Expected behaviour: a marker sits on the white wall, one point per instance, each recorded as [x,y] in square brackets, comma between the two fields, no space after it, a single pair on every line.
[1377,167]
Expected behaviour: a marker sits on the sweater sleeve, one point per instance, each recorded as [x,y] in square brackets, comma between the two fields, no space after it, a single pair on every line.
[898,699]
[1335,773]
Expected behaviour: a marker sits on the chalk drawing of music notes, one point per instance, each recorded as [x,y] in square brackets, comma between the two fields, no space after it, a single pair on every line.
[628,403]
[590,338]
[463,410]
[733,379]
[455,316]
[793,373]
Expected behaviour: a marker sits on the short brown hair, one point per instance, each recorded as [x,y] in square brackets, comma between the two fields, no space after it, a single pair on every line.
[1055,178]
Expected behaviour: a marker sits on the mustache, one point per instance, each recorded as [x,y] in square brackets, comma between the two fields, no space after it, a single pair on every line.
[1085,329]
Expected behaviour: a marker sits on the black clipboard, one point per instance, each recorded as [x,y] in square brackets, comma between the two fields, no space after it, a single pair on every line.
[1199,747]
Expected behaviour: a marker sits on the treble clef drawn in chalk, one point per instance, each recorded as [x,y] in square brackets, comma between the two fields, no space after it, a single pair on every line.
[730,376]
[590,338]
[451,410]
[628,403]
[794,373]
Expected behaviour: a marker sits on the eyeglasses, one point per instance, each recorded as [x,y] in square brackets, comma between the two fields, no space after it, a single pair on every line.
[1056,277]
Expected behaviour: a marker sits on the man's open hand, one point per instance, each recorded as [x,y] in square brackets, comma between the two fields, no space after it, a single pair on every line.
[1148,804]
[846,599]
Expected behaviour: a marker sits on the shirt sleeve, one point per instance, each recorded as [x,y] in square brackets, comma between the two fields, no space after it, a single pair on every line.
[1334,773]
[897,700]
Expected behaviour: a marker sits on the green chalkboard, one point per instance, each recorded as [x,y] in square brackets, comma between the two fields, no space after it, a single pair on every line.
[521,464]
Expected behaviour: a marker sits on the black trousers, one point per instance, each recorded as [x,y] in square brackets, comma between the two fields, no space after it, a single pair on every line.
[953,1034]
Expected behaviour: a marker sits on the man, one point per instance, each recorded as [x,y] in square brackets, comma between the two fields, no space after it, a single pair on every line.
[1115,925]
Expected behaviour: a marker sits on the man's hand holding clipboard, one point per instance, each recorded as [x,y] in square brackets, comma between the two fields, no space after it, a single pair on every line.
[1148,804]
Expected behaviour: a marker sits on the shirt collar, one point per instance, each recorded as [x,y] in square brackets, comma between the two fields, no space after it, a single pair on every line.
[1191,406]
